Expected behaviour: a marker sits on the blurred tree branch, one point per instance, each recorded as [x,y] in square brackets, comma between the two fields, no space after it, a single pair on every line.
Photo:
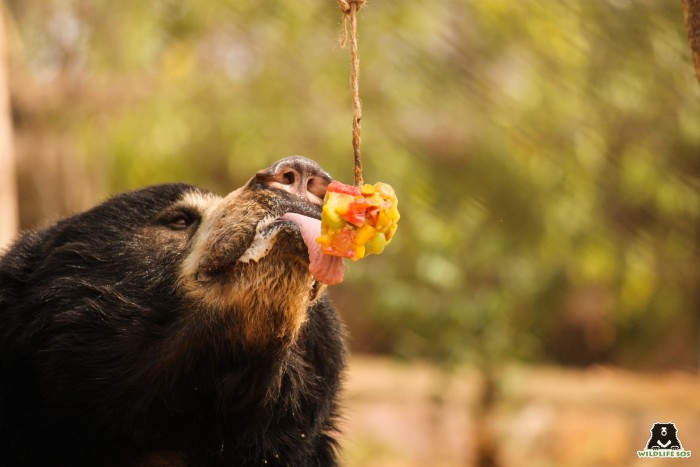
[691,12]
[9,218]
[547,152]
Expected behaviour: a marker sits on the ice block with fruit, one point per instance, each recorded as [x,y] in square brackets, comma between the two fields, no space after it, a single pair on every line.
[358,221]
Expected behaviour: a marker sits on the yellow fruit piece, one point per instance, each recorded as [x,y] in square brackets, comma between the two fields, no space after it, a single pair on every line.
[340,202]
[389,234]
[383,220]
[367,189]
[364,234]
[359,253]
[331,217]
[376,244]
[386,190]
[324,239]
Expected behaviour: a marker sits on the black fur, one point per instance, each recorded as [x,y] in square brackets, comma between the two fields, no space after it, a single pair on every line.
[85,379]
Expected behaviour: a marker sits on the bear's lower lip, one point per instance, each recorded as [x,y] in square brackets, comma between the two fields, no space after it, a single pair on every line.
[263,240]
[325,269]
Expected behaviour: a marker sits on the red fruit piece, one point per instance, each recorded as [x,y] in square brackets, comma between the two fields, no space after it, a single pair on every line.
[354,217]
[338,187]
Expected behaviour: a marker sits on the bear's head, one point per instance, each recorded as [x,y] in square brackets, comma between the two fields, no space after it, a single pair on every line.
[253,253]
[239,264]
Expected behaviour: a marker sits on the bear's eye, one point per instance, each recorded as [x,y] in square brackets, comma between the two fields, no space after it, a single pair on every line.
[179,220]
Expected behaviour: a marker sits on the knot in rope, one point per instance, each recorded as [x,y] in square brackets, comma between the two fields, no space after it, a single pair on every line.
[346,5]
[349,8]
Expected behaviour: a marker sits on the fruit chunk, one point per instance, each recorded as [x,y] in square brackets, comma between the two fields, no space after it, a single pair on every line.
[356,222]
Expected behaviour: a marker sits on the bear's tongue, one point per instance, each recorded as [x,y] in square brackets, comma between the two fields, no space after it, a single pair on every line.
[326,269]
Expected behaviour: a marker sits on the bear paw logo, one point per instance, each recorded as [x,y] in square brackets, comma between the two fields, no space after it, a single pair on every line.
[664,442]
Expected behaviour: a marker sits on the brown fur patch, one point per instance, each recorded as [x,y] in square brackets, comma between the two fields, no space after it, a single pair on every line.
[269,296]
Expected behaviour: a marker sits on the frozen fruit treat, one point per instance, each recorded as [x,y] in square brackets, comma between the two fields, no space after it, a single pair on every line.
[358,221]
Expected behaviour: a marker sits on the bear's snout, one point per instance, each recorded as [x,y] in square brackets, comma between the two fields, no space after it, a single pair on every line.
[297,175]
[249,217]
[257,246]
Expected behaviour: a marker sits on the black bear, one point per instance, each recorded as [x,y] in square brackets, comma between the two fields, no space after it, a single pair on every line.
[170,326]
[664,436]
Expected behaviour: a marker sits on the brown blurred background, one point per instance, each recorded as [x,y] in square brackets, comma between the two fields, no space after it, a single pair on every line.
[540,304]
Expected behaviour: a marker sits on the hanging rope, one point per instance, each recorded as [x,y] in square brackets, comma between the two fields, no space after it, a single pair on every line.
[349,8]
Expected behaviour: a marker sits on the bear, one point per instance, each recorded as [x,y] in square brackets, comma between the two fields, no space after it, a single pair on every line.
[170,326]
[664,436]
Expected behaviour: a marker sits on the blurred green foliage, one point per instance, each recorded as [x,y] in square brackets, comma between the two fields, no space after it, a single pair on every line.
[546,154]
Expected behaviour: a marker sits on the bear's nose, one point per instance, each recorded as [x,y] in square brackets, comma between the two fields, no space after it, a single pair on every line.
[298,175]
